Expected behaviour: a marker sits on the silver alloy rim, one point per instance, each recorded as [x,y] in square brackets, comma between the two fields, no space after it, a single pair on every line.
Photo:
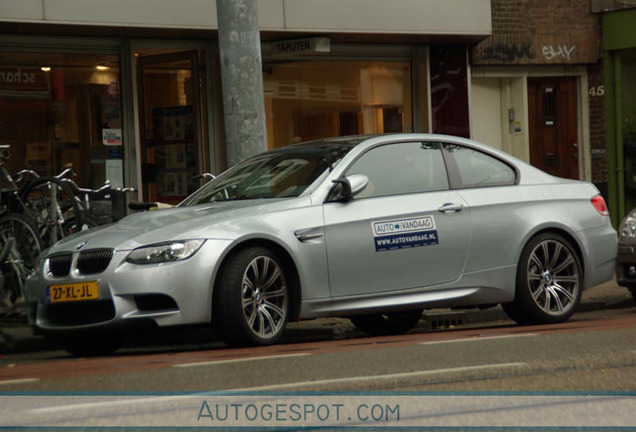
[553,277]
[264,297]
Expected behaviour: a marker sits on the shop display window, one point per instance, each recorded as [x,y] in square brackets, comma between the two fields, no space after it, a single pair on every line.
[58,110]
[318,99]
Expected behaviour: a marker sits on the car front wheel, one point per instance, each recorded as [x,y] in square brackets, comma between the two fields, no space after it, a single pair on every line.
[549,281]
[252,304]
[387,324]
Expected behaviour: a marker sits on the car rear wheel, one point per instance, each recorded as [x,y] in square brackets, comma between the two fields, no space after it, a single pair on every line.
[387,324]
[632,290]
[549,281]
[252,304]
[91,345]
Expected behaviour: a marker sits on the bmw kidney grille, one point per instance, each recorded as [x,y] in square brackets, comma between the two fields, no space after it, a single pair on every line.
[90,261]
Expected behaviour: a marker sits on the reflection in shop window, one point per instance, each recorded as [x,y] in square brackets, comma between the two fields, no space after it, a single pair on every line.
[320,99]
[62,109]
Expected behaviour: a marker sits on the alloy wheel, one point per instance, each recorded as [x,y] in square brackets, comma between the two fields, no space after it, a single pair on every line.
[553,277]
[264,297]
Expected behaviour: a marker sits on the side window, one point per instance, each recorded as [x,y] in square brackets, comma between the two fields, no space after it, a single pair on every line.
[476,169]
[402,168]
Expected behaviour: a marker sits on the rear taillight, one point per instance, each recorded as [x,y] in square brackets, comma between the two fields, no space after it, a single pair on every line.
[599,204]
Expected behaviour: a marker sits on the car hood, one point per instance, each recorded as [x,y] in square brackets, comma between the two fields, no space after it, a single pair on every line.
[180,223]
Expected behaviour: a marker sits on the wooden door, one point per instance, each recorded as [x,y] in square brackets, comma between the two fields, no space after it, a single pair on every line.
[552,107]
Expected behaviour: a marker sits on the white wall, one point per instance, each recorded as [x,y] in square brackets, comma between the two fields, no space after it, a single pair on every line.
[486,118]
[464,17]
[492,98]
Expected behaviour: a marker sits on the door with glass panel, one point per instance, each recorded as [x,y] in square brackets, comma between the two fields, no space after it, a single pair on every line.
[170,114]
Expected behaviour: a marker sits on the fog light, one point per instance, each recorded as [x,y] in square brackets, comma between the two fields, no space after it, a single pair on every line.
[631,271]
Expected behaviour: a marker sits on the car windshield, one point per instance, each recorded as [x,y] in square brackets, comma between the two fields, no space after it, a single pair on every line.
[276,174]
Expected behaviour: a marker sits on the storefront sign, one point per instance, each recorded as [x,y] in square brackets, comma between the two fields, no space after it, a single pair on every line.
[297,46]
[18,78]
[111,136]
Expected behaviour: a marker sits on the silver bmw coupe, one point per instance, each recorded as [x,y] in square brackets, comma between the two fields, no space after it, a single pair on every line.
[373,228]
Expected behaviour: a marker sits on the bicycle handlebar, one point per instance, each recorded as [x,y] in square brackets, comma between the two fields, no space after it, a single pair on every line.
[107,186]
[67,173]
[26,173]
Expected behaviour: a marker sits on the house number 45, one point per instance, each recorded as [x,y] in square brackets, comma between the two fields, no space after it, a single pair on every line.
[596,91]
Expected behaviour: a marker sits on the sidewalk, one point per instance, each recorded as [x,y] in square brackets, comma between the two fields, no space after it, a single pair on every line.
[16,336]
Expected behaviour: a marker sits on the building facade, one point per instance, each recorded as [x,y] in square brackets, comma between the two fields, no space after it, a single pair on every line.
[130,91]
[619,46]
[537,87]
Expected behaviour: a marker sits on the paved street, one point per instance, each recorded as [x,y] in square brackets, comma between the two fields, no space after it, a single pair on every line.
[450,350]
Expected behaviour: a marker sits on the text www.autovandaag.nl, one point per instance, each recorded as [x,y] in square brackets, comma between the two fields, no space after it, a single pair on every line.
[394,241]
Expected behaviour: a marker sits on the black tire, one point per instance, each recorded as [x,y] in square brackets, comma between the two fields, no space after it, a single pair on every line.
[549,281]
[252,301]
[632,291]
[36,197]
[91,345]
[20,247]
[387,324]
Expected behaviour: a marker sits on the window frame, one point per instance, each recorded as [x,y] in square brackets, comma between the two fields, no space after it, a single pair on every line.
[453,171]
[406,141]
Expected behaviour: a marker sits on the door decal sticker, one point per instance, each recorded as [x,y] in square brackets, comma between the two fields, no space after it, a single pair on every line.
[404,233]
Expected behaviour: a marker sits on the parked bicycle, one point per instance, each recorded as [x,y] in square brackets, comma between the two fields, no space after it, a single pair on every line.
[20,248]
[86,197]
[48,203]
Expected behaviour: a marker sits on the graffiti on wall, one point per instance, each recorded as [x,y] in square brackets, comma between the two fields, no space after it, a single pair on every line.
[507,53]
[511,49]
[557,52]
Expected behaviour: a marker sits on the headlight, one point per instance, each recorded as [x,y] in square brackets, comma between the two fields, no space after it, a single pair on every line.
[627,229]
[164,252]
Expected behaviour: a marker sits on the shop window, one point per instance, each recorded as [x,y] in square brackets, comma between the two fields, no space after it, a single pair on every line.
[449,90]
[319,99]
[62,109]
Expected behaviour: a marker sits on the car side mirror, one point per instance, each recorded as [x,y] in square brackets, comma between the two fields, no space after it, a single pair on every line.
[345,188]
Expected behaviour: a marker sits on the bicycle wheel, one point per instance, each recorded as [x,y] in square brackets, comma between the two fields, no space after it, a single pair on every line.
[21,248]
[52,207]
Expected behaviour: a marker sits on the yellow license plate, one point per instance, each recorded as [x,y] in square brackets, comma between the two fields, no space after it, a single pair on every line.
[72,292]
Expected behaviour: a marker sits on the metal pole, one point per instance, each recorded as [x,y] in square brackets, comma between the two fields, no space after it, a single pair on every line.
[241,78]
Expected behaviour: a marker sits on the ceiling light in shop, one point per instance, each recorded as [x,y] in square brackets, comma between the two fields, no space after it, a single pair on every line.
[46,68]
[101,67]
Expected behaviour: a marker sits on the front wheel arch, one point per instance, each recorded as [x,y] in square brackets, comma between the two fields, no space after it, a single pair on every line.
[281,252]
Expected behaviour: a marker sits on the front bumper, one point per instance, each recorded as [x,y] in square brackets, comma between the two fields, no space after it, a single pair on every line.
[626,258]
[167,294]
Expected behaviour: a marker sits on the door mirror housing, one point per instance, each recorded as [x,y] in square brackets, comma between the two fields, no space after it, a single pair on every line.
[345,188]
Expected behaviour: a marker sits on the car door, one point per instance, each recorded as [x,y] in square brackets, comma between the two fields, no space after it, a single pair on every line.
[489,186]
[405,230]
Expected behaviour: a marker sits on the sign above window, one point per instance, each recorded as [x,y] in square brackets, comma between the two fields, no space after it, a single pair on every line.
[285,48]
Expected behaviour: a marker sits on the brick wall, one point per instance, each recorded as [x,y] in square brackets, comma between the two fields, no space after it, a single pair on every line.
[552,32]
[596,94]
[541,32]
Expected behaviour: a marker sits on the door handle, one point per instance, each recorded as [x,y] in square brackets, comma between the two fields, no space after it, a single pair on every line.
[450,207]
